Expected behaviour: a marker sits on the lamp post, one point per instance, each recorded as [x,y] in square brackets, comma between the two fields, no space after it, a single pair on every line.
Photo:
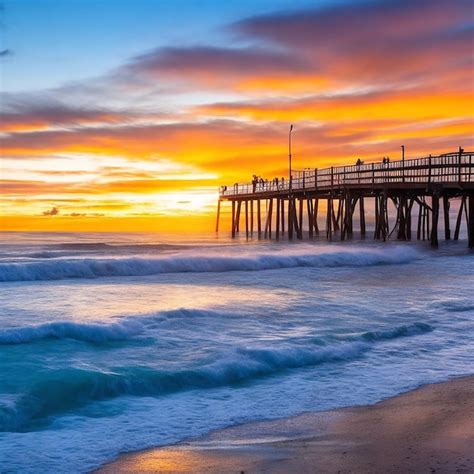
[289,157]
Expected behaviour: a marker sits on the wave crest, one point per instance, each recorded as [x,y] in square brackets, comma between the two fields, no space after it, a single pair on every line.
[138,266]
[121,329]
[88,332]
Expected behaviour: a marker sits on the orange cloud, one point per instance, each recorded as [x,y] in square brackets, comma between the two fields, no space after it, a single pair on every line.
[411,104]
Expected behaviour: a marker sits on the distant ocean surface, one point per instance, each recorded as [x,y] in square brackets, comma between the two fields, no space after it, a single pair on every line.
[117,342]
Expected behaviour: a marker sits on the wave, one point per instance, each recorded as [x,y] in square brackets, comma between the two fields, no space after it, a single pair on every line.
[457,306]
[125,328]
[102,246]
[67,389]
[90,332]
[83,249]
[47,254]
[400,331]
[131,326]
[136,266]
[84,246]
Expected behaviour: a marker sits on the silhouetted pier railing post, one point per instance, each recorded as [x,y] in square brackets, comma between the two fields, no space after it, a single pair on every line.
[403,184]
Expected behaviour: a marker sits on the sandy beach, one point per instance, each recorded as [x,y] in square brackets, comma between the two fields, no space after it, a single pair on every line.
[430,429]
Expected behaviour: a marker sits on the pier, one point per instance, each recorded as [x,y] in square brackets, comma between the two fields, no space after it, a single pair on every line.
[407,195]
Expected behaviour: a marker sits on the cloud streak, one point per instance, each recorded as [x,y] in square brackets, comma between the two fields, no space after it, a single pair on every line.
[371,40]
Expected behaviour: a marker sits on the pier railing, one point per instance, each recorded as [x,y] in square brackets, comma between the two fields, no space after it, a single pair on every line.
[449,168]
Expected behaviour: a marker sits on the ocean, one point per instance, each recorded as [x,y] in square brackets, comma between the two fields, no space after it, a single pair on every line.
[117,342]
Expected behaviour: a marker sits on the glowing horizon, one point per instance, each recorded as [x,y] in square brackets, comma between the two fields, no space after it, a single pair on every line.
[136,131]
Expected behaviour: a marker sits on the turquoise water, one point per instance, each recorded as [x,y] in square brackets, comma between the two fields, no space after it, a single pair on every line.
[117,342]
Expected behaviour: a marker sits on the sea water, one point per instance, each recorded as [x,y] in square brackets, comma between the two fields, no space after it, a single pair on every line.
[117,342]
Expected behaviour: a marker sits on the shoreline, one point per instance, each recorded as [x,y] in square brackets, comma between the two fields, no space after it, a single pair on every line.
[429,429]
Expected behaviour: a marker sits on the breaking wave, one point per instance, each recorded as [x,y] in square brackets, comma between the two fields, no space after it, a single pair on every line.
[119,330]
[137,266]
[69,330]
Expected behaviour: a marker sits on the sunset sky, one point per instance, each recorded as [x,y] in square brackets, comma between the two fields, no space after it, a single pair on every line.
[128,115]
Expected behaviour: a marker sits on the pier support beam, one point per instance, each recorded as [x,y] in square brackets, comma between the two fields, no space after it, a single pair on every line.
[218,215]
[347,213]
[381,217]
[462,207]
[329,218]
[423,231]
[237,218]
[345,206]
[408,218]
[300,219]
[233,219]
[270,218]
[420,219]
[470,222]
[315,216]
[337,218]
[268,224]
[377,217]
[294,218]
[259,218]
[309,209]
[251,217]
[278,214]
[353,202]
[401,208]
[385,228]
[282,216]
[404,206]
[362,215]
[435,217]
[447,230]
[290,218]
[247,219]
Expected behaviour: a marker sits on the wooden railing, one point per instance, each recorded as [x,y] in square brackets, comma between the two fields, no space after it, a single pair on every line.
[450,168]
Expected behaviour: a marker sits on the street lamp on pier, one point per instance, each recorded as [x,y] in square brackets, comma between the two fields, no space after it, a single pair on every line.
[289,157]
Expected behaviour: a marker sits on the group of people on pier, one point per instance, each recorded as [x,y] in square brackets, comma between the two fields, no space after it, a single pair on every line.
[260,184]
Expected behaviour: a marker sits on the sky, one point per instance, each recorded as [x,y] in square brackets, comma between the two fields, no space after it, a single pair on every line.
[128,115]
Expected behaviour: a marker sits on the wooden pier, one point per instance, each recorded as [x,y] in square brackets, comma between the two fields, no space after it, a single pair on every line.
[414,189]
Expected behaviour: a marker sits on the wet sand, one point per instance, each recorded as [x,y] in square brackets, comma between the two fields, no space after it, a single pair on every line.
[428,430]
